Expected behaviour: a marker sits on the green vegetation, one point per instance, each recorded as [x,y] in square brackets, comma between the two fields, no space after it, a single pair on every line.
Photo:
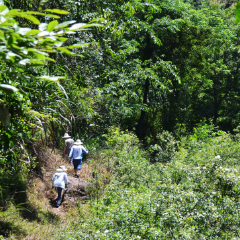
[151,88]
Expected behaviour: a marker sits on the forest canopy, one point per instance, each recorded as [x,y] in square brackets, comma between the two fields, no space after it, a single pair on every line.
[151,84]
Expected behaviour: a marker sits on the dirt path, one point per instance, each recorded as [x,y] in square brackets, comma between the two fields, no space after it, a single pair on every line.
[77,189]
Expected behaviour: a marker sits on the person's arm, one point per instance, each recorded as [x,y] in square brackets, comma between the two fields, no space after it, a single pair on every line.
[84,149]
[70,154]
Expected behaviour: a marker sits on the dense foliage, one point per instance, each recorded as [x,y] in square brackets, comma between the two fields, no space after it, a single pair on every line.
[196,195]
[151,87]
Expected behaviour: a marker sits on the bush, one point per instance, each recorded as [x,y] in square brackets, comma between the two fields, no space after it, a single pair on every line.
[164,148]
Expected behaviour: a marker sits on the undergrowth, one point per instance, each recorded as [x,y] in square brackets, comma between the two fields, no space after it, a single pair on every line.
[193,195]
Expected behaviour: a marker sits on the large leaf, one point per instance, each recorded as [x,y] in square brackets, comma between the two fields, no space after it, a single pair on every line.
[81,26]
[31,18]
[9,89]
[77,26]
[42,14]
[3,9]
[58,11]
[52,25]
[64,24]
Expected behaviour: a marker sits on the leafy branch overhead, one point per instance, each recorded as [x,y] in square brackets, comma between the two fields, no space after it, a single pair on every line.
[19,44]
[27,46]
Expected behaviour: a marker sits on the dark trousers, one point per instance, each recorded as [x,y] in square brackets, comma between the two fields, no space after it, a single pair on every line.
[59,195]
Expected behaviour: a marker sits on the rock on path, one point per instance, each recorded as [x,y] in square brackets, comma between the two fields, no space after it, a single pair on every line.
[77,189]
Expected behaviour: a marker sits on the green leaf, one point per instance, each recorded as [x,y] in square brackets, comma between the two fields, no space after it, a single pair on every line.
[237,12]
[97,20]
[58,11]
[78,45]
[3,10]
[77,26]
[64,24]
[62,39]
[9,89]
[64,50]
[52,78]
[42,14]
[25,61]
[13,13]
[33,32]
[52,25]
[30,18]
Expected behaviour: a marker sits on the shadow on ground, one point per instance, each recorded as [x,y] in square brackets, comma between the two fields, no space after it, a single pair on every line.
[6,229]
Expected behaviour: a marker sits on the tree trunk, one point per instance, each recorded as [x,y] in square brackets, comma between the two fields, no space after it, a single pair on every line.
[141,128]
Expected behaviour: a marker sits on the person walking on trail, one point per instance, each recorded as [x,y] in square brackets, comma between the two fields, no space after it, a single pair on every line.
[59,180]
[68,144]
[76,154]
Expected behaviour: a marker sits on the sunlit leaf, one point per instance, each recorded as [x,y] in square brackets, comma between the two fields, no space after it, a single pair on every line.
[25,61]
[97,20]
[31,18]
[3,9]
[64,50]
[42,26]
[9,89]
[42,14]
[23,31]
[2,19]
[78,45]
[32,32]
[92,25]
[43,33]
[64,24]
[82,26]
[52,25]
[13,13]
[77,26]
[52,78]
[62,39]
[11,54]
[58,11]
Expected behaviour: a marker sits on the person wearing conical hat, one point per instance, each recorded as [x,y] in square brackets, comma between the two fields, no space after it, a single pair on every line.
[76,154]
[68,144]
[59,180]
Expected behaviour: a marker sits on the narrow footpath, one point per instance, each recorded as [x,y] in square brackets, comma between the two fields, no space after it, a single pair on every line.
[77,189]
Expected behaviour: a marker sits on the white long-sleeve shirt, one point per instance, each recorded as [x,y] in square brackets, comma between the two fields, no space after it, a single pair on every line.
[77,151]
[59,179]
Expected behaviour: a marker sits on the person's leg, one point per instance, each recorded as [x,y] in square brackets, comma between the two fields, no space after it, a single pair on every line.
[77,166]
[59,195]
